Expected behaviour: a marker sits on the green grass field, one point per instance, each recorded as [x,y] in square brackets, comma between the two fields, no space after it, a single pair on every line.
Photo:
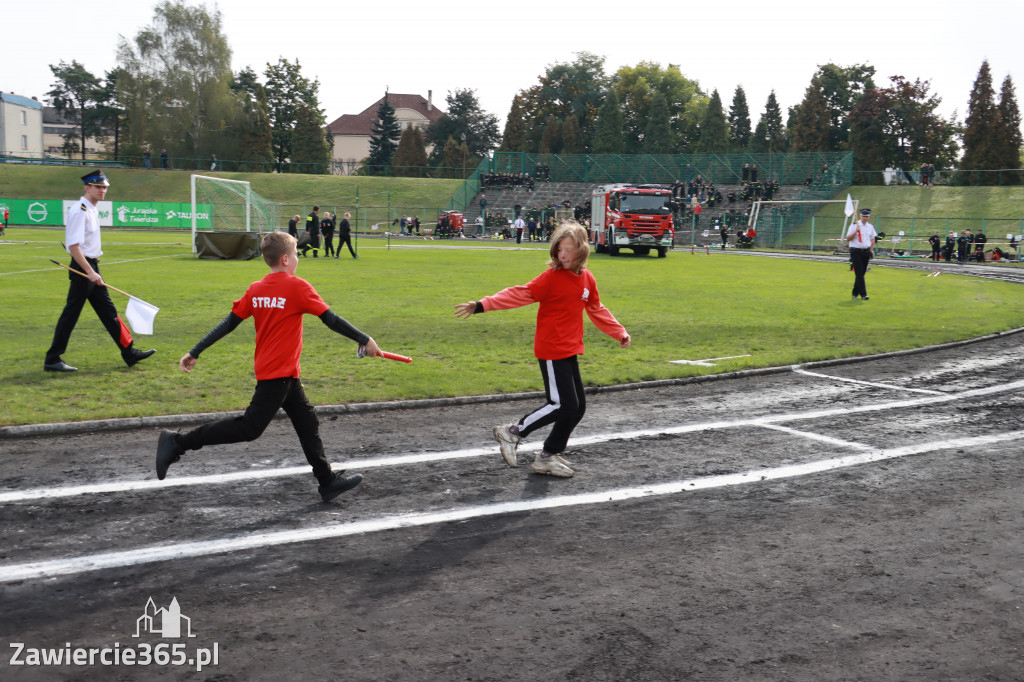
[681,307]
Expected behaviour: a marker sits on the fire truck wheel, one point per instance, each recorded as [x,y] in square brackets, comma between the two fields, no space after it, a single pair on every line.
[662,251]
[613,250]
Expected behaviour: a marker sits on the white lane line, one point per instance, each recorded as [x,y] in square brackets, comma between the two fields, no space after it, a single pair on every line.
[818,437]
[798,370]
[185,550]
[594,439]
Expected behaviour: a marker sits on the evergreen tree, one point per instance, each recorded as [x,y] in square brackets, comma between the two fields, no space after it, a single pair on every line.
[1012,143]
[714,129]
[411,155]
[770,134]
[658,137]
[739,121]
[452,159]
[867,138]
[514,139]
[310,153]
[809,131]
[572,138]
[608,135]
[384,136]
[983,131]
[551,137]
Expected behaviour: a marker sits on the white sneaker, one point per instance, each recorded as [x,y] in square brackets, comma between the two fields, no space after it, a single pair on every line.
[564,461]
[508,443]
[551,466]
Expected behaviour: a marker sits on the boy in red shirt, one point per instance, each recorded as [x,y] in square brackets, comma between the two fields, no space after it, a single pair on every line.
[564,291]
[276,303]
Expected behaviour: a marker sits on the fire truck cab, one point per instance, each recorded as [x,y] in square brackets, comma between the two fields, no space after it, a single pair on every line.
[637,217]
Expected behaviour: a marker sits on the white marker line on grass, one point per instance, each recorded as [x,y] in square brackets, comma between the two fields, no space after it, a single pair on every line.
[105,264]
[186,550]
[594,439]
[796,368]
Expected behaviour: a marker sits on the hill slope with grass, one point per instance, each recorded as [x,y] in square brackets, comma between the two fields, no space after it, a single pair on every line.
[136,184]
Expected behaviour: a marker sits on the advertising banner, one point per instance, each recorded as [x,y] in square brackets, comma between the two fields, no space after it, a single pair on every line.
[135,214]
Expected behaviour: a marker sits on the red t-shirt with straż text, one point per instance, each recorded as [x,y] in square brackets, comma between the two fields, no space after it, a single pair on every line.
[277,303]
[563,297]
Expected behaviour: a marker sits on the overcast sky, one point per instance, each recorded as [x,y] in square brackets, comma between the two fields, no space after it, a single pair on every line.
[499,48]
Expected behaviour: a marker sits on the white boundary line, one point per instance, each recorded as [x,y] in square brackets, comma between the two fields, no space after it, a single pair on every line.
[156,553]
[798,370]
[819,437]
[765,421]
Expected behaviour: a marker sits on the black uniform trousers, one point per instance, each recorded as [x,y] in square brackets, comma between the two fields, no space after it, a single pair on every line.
[81,290]
[271,394]
[860,258]
[565,407]
[346,239]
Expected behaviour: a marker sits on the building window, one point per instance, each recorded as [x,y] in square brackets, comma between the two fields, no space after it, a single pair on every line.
[24,141]
[24,118]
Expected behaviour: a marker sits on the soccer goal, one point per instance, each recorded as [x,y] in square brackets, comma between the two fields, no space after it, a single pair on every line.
[220,205]
[778,223]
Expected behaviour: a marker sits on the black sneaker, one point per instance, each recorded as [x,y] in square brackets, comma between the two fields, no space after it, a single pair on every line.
[339,485]
[132,356]
[168,451]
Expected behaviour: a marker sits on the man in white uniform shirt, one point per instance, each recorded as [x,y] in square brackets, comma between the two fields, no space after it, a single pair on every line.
[82,239]
[861,237]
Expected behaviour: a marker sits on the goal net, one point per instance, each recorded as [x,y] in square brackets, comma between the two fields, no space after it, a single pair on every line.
[222,205]
[818,224]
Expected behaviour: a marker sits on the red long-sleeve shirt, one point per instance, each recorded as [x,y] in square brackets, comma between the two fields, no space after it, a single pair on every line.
[563,296]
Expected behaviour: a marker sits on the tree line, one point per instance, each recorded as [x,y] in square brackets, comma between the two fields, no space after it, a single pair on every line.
[174,90]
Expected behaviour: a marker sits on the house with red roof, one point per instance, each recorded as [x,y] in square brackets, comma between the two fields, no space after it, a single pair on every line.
[352,132]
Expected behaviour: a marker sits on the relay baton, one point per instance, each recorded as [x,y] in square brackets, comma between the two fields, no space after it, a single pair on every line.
[361,353]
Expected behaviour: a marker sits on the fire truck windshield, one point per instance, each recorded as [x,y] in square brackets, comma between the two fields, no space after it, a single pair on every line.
[644,203]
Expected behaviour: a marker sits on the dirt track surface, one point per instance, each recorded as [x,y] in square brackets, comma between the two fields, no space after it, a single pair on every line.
[714,531]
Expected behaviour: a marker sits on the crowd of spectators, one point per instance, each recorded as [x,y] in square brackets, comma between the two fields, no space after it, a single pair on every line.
[507,180]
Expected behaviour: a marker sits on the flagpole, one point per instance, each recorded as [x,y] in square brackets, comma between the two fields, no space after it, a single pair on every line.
[79,272]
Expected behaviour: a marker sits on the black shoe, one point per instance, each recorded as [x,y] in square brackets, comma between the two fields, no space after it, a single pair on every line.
[339,485]
[168,451]
[132,356]
[59,366]
[864,298]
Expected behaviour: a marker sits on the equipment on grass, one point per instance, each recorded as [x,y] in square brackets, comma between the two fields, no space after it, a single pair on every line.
[229,206]
[140,314]
[361,353]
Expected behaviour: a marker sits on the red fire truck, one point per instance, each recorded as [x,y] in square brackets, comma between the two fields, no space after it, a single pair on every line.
[637,217]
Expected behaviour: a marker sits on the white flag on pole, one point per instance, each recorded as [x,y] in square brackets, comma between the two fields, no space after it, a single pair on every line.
[140,315]
[849,206]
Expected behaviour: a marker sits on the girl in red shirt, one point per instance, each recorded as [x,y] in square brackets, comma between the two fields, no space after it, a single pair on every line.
[564,291]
